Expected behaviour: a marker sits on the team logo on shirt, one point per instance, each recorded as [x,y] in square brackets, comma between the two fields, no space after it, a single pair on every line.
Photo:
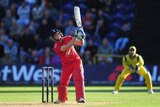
[68,52]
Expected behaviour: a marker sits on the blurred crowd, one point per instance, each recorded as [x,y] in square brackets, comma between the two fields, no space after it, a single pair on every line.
[25,25]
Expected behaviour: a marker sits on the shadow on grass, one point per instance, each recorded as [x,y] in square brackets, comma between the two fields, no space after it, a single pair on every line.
[88,91]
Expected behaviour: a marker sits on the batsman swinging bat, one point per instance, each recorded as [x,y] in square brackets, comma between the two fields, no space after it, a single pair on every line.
[77,16]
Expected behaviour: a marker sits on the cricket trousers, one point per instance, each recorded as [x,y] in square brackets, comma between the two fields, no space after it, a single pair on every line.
[76,70]
[143,72]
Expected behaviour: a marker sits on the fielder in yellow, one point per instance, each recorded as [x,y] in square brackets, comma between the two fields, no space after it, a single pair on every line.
[133,63]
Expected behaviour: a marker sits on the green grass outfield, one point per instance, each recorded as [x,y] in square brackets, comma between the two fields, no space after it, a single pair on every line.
[96,96]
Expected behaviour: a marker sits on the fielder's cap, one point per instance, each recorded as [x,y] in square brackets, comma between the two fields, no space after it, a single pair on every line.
[132,48]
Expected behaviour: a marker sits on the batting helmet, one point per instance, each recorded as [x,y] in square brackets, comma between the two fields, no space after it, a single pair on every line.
[53,32]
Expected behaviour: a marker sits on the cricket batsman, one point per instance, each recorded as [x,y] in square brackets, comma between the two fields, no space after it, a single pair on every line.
[133,63]
[71,63]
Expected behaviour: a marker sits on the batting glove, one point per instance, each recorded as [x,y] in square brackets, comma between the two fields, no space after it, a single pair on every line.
[79,33]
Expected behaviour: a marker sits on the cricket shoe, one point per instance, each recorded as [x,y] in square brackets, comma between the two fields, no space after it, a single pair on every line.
[115,92]
[81,100]
[58,102]
[150,92]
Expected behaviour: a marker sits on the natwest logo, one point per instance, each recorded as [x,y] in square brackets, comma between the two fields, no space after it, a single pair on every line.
[155,75]
[25,73]
[113,75]
[153,69]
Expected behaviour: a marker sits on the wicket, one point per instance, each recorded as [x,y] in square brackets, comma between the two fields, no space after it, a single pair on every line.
[49,74]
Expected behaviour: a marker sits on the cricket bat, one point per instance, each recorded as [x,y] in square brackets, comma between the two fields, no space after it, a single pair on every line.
[77,16]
